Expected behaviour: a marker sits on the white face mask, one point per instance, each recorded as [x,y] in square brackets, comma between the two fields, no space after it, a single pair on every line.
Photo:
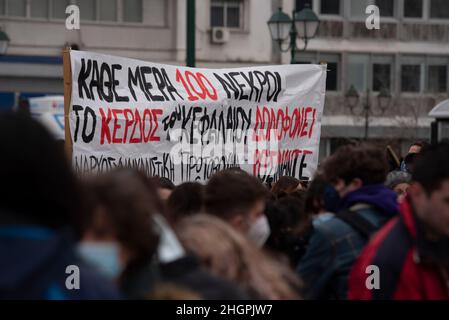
[102,255]
[169,249]
[259,231]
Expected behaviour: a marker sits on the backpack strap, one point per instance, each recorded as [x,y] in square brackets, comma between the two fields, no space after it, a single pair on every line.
[357,222]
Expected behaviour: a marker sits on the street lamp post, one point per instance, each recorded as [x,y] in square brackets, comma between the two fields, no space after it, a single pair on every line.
[353,97]
[367,108]
[304,25]
[190,39]
[4,42]
[384,99]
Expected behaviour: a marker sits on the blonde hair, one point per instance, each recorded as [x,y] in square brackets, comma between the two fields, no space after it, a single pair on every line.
[172,292]
[230,255]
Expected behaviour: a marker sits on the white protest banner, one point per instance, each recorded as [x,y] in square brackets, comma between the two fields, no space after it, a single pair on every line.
[187,123]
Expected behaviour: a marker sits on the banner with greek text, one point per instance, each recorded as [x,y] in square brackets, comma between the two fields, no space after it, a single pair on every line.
[188,123]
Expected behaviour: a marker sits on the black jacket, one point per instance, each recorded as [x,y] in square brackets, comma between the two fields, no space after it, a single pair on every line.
[139,280]
[33,265]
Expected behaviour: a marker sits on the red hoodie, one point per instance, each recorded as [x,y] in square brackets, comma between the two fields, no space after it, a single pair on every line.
[402,276]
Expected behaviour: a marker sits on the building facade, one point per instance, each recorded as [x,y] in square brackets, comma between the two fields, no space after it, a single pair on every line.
[407,57]
[151,30]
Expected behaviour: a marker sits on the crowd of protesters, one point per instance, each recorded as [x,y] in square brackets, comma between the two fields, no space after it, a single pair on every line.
[360,229]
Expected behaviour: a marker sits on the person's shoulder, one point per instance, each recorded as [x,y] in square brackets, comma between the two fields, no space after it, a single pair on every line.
[332,228]
[374,215]
[386,254]
[94,286]
[391,243]
[387,249]
[84,282]
[187,272]
[214,287]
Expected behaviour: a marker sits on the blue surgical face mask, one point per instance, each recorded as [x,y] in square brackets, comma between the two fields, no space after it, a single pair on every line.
[331,199]
[104,256]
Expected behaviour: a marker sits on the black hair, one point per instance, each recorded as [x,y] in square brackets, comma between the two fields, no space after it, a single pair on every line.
[37,184]
[364,161]
[431,166]
[165,183]
[290,226]
[231,192]
[314,200]
[128,210]
[409,161]
[187,199]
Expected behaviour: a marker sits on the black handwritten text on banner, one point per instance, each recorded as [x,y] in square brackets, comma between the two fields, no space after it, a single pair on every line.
[186,124]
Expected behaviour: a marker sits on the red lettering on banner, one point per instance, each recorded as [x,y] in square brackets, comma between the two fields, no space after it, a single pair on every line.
[156,113]
[128,121]
[313,123]
[115,112]
[188,81]
[264,159]
[137,123]
[105,119]
[135,126]
[294,124]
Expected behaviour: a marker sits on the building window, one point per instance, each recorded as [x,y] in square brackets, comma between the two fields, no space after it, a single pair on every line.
[88,10]
[226,13]
[372,72]
[381,76]
[386,7]
[358,7]
[132,11]
[16,8]
[439,9]
[301,4]
[413,8]
[333,70]
[357,71]
[411,78]
[107,10]
[437,79]
[39,8]
[99,10]
[58,9]
[333,62]
[330,7]
[332,76]
[382,68]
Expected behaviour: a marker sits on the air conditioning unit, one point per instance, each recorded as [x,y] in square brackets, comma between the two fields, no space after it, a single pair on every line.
[220,35]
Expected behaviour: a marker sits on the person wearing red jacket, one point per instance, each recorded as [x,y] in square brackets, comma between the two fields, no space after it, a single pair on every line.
[408,259]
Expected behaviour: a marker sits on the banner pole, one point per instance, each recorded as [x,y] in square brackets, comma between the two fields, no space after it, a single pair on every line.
[67,99]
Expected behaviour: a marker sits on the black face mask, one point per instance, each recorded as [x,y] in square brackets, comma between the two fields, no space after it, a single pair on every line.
[431,251]
[331,199]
